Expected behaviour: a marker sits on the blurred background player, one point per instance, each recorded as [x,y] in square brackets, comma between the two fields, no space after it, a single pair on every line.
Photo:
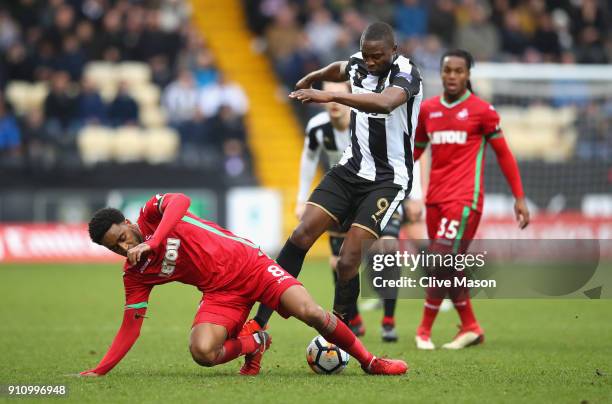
[168,244]
[459,125]
[365,188]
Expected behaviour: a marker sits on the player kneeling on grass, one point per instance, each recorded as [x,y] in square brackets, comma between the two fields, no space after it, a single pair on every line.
[168,244]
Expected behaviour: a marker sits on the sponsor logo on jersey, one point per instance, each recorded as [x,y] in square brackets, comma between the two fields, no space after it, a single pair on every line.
[448,137]
[169,263]
[463,114]
[435,114]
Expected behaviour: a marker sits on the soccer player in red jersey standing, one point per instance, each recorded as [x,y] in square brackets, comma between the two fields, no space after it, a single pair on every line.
[459,125]
[168,244]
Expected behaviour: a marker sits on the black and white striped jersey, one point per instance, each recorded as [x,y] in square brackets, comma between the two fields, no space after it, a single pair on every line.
[382,144]
[321,137]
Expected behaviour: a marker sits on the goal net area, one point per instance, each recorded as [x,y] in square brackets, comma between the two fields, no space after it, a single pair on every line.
[557,120]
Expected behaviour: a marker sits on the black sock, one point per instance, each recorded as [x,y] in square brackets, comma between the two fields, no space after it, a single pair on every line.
[389,307]
[290,258]
[335,275]
[345,298]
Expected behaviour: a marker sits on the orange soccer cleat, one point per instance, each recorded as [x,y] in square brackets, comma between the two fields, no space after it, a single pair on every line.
[252,361]
[385,366]
[251,327]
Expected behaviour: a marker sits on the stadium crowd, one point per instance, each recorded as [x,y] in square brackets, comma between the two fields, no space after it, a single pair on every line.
[302,35]
[53,42]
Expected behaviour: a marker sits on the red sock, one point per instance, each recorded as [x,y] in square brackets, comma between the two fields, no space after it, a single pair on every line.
[466,313]
[231,350]
[430,311]
[248,344]
[336,332]
[388,320]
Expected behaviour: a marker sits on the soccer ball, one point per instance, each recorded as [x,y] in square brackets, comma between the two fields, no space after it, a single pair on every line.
[325,358]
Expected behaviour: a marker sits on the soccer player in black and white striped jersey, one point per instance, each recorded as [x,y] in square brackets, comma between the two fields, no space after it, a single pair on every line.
[375,173]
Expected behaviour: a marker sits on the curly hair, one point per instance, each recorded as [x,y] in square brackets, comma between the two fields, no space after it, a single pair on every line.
[101,221]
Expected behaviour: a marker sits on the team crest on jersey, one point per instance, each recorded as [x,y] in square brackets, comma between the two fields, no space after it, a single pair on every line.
[435,114]
[463,114]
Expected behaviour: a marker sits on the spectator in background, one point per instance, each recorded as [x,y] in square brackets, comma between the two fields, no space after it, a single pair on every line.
[63,24]
[10,135]
[514,40]
[9,31]
[91,109]
[594,133]
[428,53]
[411,19]
[123,110]
[591,47]
[204,70]
[323,33]
[283,35]
[60,105]
[223,93]
[442,21]
[18,64]
[546,39]
[40,146]
[379,10]
[72,59]
[109,45]
[478,36]
[181,101]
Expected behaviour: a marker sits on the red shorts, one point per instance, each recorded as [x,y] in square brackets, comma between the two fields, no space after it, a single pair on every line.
[265,282]
[452,226]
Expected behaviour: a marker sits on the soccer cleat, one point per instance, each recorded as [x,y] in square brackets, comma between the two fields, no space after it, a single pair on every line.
[385,366]
[388,332]
[370,305]
[251,327]
[466,337]
[423,340]
[252,361]
[356,325]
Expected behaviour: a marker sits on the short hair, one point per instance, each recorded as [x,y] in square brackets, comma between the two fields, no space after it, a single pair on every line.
[378,31]
[101,221]
[460,53]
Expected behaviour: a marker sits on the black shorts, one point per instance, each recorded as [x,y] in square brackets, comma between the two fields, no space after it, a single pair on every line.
[392,229]
[354,201]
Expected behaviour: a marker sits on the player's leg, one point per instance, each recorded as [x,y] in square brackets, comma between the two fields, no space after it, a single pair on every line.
[433,297]
[325,208]
[297,302]
[213,338]
[372,215]
[470,332]
[336,240]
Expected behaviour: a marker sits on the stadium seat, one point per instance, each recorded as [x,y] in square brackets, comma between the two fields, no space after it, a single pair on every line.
[101,73]
[128,145]
[134,73]
[145,94]
[17,93]
[37,94]
[162,145]
[152,117]
[95,144]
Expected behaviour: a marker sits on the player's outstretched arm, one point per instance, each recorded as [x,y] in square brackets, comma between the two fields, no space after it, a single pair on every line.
[125,338]
[510,169]
[335,71]
[379,103]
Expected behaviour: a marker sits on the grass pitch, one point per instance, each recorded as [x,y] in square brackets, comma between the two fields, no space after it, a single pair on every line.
[57,320]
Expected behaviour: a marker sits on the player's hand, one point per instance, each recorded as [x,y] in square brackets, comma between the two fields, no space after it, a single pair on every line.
[299,210]
[135,253]
[304,83]
[89,373]
[521,212]
[310,95]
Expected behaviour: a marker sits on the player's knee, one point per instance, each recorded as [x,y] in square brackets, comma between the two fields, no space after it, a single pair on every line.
[310,313]
[348,266]
[304,236]
[203,354]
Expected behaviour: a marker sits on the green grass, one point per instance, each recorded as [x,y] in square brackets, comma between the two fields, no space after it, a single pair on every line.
[58,320]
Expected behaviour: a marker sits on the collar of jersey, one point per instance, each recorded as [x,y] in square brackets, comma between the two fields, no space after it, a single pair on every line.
[459,101]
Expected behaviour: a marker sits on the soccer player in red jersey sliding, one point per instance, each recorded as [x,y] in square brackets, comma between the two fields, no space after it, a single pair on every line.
[459,126]
[168,244]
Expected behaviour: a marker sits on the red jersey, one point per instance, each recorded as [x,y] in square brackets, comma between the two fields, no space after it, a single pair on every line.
[458,134]
[195,252]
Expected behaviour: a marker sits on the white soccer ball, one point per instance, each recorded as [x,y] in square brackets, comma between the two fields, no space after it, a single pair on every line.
[325,358]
